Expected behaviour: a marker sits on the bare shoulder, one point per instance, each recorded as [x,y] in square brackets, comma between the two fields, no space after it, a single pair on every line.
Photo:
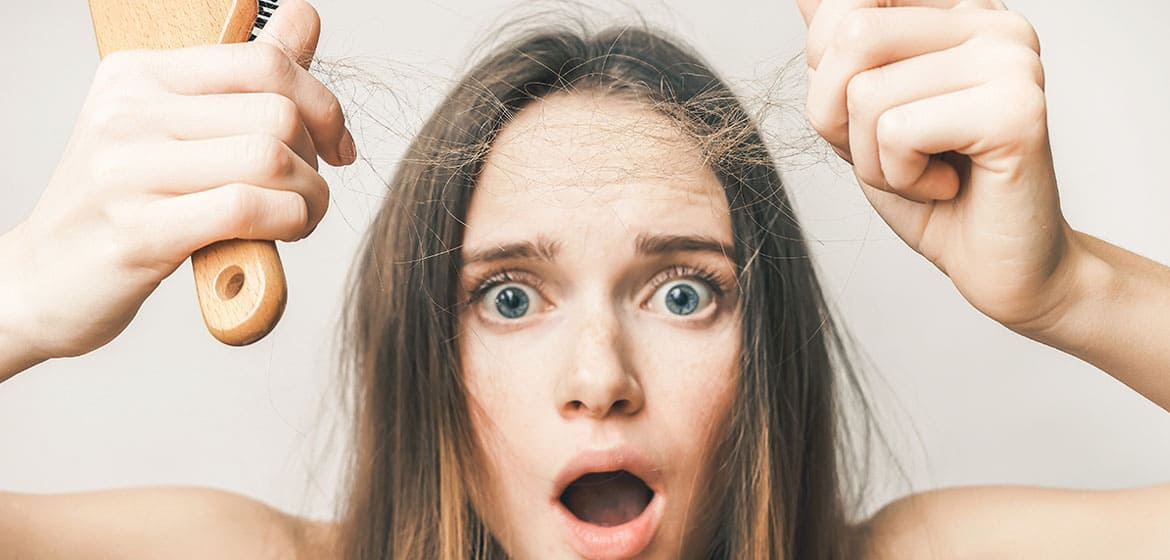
[1016,522]
[174,522]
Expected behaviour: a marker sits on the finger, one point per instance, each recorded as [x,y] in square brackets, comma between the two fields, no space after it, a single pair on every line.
[1006,116]
[181,225]
[827,20]
[873,92]
[251,68]
[204,117]
[183,167]
[295,28]
[907,218]
[877,37]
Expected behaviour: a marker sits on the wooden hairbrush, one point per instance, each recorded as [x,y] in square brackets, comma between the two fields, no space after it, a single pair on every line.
[240,283]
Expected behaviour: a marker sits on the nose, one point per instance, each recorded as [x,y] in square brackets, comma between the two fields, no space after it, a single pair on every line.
[598,381]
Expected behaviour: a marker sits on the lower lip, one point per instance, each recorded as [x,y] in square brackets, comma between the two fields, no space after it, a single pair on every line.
[613,543]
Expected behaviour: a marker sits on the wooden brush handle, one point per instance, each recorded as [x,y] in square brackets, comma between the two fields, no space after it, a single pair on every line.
[240,283]
[241,289]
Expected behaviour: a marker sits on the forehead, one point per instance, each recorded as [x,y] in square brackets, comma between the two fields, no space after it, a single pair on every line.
[587,164]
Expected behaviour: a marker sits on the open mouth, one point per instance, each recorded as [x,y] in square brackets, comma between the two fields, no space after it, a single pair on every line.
[607,499]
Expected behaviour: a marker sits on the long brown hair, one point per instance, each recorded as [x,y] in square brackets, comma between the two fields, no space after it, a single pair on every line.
[784,451]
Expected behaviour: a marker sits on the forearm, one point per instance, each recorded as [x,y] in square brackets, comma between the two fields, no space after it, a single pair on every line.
[1117,317]
[16,353]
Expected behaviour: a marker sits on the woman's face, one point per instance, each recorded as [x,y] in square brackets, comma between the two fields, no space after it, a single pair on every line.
[601,336]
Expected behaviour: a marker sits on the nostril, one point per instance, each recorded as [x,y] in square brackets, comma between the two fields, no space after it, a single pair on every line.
[621,405]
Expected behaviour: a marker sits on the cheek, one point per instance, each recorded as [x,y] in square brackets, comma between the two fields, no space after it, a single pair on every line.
[491,380]
[485,401]
[506,375]
[691,389]
[502,375]
[690,376]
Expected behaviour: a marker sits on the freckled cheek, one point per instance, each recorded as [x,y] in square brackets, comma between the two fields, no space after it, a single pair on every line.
[691,369]
[496,370]
[506,371]
[507,377]
[689,375]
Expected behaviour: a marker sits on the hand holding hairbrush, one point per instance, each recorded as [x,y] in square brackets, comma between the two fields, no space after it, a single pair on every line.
[175,150]
[240,282]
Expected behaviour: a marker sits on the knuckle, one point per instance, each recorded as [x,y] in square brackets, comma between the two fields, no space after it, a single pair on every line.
[1018,27]
[268,156]
[240,210]
[284,115]
[298,213]
[816,119]
[118,65]
[1028,123]
[110,115]
[334,117]
[1028,63]
[823,117]
[863,87]
[1008,58]
[321,195]
[893,126]
[857,29]
[1034,106]
[1034,67]
[271,62]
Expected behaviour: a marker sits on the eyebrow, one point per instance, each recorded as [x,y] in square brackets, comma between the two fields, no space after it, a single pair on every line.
[647,244]
[644,244]
[542,250]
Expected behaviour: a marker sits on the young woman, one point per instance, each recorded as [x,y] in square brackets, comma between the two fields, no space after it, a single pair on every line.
[584,324]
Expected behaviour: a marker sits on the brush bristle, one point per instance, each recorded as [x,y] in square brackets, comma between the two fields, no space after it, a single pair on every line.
[265,12]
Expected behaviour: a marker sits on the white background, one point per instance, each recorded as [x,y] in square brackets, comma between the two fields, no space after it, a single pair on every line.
[965,401]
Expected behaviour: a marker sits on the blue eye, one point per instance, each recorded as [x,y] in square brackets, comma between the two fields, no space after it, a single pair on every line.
[511,301]
[683,297]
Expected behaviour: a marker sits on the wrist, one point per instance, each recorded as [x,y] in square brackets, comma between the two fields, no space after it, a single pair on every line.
[1085,281]
[17,351]
[1116,317]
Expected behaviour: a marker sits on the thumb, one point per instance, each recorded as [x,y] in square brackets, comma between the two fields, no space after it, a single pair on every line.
[295,28]
[808,8]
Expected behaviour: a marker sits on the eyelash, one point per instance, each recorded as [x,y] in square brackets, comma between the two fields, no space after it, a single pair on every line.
[498,277]
[676,272]
[493,279]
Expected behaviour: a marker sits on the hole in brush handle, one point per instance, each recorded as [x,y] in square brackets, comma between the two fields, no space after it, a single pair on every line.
[241,289]
[229,283]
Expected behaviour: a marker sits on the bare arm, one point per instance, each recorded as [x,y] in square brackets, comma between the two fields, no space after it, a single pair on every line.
[1020,523]
[160,522]
[1116,317]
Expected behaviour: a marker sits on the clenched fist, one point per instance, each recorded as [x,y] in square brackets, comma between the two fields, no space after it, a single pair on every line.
[940,107]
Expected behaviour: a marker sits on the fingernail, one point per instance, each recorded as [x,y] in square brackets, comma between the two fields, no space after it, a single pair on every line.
[347,150]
